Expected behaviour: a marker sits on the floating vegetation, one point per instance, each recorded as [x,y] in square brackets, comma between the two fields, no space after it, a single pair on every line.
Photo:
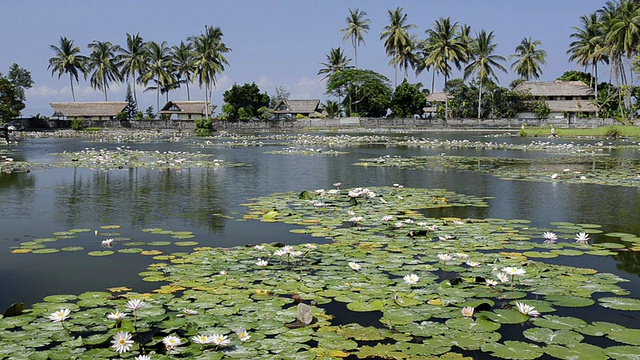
[568,169]
[392,284]
[307,151]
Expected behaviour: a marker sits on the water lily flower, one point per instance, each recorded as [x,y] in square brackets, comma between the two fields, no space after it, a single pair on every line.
[432,227]
[311,246]
[355,266]
[280,252]
[107,243]
[411,279]
[135,304]
[262,262]
[554,176]
[549,237]
[122,342]
[467,311]
[116,315]
[171,341]
[491,282]
[526,309]
[189,311]
[143,357]
[356,219]
[351,213]
[582,238]
[259,247]
[462,255]
[243,335]
[503,277]
[220,340]
[60,315]
[513,271]
[201,339]
[223,272]
[445,257]
[399,224]
[473,263]
[337,185]
[387,218]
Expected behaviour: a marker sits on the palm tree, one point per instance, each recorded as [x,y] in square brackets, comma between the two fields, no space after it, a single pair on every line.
[396,36]
[159,68]
[407,56]
[209,53]
[357,27]
[103,65]
[336,61]
[445,45]
[482,61]
[588,48]
[529,58]
[133,60]
[68,60]
[183,61]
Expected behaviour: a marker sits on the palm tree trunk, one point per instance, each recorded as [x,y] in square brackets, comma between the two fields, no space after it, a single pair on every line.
[188,95]
[135,96]
[158,100]
[73,94]
[104,86]
[595,70]
[206,100]
[480,100]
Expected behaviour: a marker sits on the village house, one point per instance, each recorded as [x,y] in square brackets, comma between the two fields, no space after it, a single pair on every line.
[434,99]
[186,110]
[291,108]
[566,99]
[102,110]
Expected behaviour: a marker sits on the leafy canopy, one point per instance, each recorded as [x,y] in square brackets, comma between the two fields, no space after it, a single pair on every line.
[365,91]
[243,101]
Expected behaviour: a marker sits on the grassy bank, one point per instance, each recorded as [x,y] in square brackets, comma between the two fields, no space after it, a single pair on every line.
[618,131]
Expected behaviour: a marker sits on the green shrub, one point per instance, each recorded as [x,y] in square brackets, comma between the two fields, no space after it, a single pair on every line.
[203,126]
[612,133]
[77,124]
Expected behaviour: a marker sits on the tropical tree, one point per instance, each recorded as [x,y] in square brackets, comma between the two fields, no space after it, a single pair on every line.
[407,100]
[445,46]
[67,60]
[396,37]
[159,68]
[133,60]
[588,48]
[336,62]
[332,108]
[103,65]
[183,61]
[528,59]
[366,89]
[357,27]
[210,61]
[483,61]
[407,56]
[244,101]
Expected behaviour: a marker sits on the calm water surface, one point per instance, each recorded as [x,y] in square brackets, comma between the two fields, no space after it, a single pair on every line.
[36,204]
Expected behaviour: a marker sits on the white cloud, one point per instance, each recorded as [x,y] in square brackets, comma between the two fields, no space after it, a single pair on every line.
[307,88]
[264,82]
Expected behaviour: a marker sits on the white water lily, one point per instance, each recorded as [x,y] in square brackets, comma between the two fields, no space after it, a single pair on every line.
[311,246]
[171,341]
[525,309]
[387,218]
[582,238]
[116,315]
[201,339]
[356,219]
[259,247]
[511,271]
[355,266]
[107,243]
[467,311]
[472,263]
[491,282]
[189,311]
[262,262]
[549,236]
[445,257]
[220,340]
[60,315]
[122,342]
[503,277]
[135,304]
[143,357]
[243,335]
[411,279]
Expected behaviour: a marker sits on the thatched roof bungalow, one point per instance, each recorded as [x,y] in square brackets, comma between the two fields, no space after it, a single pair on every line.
[433,99]
[566,99]
[187,110]
[102,110]
[292,108]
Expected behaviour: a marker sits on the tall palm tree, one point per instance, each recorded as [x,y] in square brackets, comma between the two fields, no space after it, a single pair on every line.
[103,65]
[133,59]
[357,27]
[483,61]
[159,68]
[528,59]
[209,53]
[396,36]
[445,46]
[68,60]
[407,56]
[588,48]
[183,60]
[336,61]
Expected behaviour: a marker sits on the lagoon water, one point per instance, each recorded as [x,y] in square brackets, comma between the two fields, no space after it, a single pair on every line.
[209,202]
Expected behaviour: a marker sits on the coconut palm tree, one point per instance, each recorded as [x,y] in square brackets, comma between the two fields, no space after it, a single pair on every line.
[103,65]
[407,56]
[209,53]
[159,68]
[528,59]
[183,60]
[336,61]
[483,61]
[67,60]
[133,60]
[588,48]
[396,37]
[357,27]
[445,46]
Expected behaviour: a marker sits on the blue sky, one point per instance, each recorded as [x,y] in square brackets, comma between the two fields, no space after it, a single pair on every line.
[274,42]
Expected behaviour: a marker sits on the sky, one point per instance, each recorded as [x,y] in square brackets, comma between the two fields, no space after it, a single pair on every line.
[274,42]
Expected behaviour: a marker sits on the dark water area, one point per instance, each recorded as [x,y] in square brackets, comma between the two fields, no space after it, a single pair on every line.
[208,202]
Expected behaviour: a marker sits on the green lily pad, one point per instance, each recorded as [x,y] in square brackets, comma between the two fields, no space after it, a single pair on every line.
[620,303]
[101,253]
[513,350]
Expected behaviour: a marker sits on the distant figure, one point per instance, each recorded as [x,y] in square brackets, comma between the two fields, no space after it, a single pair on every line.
[553,132]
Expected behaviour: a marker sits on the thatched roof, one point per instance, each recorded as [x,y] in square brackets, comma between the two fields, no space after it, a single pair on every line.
[297,106]
[571,106]
[555,88]
[88,109]
[186,107]
[438,97]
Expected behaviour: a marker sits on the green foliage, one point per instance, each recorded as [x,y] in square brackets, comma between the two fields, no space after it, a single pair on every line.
[300,116]
[227,110]
[20,78]
[77,124]
[11,99]
[265,113]
[332,108]
[246,97]
[365,91]
[612,133]
[407,100]
[573,75]
[139,115]
[541,109]
[203,126]
[122,115]
[131,109]
[149,114]
[281,94]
